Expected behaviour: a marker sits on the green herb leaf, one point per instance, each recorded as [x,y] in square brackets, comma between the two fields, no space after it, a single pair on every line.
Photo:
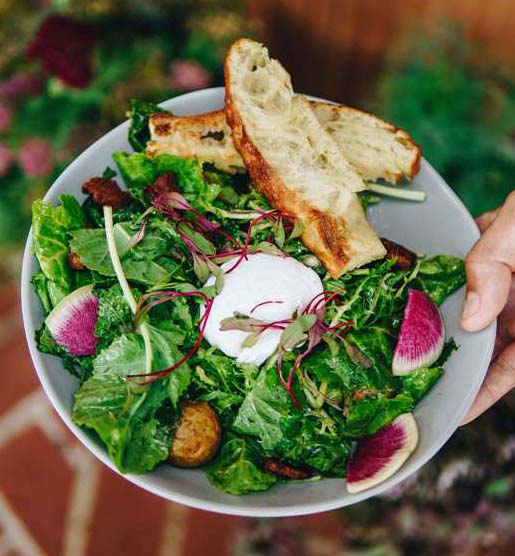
[296,332]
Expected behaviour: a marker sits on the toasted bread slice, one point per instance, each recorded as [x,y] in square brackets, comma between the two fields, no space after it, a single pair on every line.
[206,136]
[375,148]
[293,161]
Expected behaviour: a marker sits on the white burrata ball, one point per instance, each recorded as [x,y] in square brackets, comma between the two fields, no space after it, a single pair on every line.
[250,289]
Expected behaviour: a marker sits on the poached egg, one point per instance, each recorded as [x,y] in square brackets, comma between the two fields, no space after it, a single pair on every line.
[265,287]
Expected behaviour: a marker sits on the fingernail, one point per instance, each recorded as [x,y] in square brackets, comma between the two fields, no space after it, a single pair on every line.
[471,307]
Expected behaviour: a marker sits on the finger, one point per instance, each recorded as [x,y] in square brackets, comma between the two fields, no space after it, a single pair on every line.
[489,266]
[486,220]
[498,382]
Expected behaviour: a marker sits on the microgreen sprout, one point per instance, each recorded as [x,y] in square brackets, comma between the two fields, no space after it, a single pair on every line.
[144,305]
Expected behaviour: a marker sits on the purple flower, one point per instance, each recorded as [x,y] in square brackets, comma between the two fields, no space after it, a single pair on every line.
[6,116]
[6,159]
[20,84]
[64,46]
[36,158]
[187,75]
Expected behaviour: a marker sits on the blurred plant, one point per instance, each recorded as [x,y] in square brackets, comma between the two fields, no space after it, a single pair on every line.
[459,108]
[69,68]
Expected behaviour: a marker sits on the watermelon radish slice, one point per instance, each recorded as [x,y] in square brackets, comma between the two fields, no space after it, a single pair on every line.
[379,456]
[421,337]
[72,322]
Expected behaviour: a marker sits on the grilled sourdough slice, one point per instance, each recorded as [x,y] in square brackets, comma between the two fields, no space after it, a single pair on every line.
[375,148]
[206,136]
[294,162]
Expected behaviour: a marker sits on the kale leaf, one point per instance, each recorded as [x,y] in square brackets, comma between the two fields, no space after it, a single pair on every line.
[222,381]
[300,438]
[114,315]
[236,469]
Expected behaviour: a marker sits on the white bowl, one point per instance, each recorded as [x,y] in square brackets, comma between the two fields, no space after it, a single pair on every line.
[439,225]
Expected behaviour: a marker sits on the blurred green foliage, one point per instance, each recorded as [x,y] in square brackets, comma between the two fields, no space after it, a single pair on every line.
[148,49]
[460,110]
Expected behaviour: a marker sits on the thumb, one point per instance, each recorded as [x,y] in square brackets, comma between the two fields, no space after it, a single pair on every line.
[489,266]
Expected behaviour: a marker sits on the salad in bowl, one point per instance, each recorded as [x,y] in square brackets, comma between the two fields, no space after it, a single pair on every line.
[219,312]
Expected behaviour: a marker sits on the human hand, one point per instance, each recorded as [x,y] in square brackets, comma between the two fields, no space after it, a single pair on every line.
[490,293]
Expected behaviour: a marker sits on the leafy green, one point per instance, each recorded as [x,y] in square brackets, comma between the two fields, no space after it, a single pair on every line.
[449,347]
[41,284]
[165,345]
[316,440]
[139,114]
[340,371]
[367,416]
[114,314]
[418,383]
[145,262]
[281,430]
[265,408]
[440,276]
[80,367]
[130,420]
[236,468]
[222,381]
[139,170]
[51,227]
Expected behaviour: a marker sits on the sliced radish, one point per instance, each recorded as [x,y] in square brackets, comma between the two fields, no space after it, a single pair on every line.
[421,337]
[379,456]
[72,322]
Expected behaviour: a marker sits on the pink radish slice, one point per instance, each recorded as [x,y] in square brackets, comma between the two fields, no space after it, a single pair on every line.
[379,456]
[72,322]
[421,337]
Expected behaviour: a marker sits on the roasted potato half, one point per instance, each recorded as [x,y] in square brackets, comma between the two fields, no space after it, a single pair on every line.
[196,437]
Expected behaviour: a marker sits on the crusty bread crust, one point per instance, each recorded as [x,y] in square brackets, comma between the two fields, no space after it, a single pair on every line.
[341,242]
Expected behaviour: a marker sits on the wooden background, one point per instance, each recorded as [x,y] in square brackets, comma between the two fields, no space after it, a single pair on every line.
[337,48]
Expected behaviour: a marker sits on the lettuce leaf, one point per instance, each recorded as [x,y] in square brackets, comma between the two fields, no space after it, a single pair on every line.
[139,170]
[134,422]
[222,381]
[51,227]
[145,263]
[114,314]
[265,409]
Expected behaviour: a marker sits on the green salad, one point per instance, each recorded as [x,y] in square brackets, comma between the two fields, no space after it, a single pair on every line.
[127,282]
